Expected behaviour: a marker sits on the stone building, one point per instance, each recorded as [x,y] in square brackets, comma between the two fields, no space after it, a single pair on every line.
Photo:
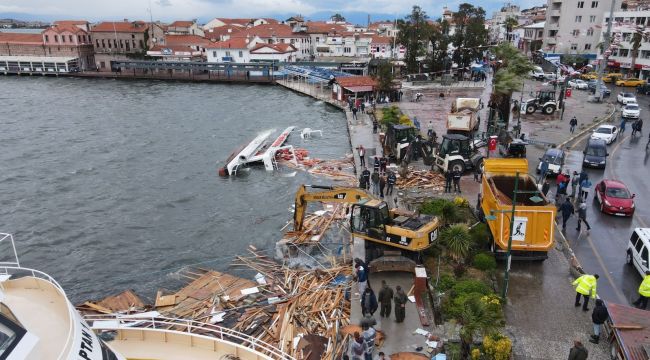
[121,40]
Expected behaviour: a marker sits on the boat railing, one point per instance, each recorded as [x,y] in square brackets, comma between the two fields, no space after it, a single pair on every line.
[194,328]
[8,238]
[17,272]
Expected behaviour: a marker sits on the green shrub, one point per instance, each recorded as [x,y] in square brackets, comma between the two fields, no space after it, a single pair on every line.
[485,262]
[446,282]
[454,306]
[390,115]
[433,206]
[480,235]
[470,286]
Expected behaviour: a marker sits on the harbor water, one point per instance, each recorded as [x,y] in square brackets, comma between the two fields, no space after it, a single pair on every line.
[110,185]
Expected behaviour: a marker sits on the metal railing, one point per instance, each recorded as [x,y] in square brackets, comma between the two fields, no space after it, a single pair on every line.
[191,327]
[72,312]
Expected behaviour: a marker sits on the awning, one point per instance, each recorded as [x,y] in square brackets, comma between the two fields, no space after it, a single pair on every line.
[358,89]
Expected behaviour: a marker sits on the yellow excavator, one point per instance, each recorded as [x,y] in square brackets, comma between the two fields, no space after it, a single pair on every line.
[371,219]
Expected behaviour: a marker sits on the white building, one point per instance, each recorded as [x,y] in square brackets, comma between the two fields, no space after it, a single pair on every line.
[181,27]
[574,26]
[624,26]
[533,37]
[245,50]
[497,29]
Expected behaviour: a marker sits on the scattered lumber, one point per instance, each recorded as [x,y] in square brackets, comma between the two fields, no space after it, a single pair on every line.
[424,179]
[124,302]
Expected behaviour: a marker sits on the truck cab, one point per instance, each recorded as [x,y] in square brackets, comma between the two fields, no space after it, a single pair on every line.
[398,137]
[456,152]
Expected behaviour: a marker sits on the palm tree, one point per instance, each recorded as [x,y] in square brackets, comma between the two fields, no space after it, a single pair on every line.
[637,38]
[510,24]
[457,241]
[477,317]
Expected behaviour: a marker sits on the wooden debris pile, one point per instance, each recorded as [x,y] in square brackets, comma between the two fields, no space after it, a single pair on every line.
[124,302]
[305,302]
[425,179]
[316,224]
[336,170]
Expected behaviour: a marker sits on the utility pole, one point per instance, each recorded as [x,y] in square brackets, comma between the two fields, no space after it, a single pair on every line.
[512,225]
[603,62]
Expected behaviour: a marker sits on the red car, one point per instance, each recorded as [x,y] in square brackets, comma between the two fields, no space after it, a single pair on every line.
[614,198]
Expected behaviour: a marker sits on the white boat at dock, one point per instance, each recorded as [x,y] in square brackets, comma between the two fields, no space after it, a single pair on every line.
[259,150]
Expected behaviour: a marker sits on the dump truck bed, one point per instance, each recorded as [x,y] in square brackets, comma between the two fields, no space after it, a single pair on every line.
[534,215]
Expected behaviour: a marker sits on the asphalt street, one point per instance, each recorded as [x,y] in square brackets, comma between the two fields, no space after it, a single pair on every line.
[602,250]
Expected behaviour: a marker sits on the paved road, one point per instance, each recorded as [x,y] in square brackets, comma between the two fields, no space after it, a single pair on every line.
[602,250]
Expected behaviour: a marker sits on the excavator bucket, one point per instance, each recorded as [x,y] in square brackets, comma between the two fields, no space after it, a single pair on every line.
[392,261]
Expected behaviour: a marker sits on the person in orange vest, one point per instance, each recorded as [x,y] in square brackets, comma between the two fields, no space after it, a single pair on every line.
[585,287]
[644,292]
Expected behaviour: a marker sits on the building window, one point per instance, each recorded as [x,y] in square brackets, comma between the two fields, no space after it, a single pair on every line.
[128,48]
[587,46]
[574,46]
[227,53]
[70,38]
[141,44]
[109,44]
[63,39]
[103,44]
[132,36]
[56,38]
[214,54]
[575,32]
[79,38]
[623,52]
[241,54]
[590,32]
[347,50]
[581,4]
[97,41]
[47,38]
[594,4]
[592,18]
[579,18]
[133,43]
[121,44]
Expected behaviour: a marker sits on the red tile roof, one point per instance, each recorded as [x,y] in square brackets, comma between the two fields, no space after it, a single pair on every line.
[321,27]
[269,30]
[242,22]
[21,38]
[121,26]
[70,22]
[234,43]
[69,28]
[376,39]
[181,23]
[187,40]
[350,81]
[279,48]
[217,32]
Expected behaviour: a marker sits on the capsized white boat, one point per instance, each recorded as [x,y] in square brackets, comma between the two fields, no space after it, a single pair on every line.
[258,150]
[37,321]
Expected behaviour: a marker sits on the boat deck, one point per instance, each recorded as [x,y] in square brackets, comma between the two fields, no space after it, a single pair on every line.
[43,311]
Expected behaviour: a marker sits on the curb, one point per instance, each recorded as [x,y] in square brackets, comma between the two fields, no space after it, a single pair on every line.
[575,268]
[589,128]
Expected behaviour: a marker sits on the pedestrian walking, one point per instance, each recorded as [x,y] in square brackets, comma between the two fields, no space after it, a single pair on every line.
[375,182]
[362,278]
[365,175]
[382,185]
[354,113]
[392,179]
[543,170]
[363,106]
[622,126]
[430,129]
[358,347]
[578,351]
[362,155]
[574,184]
[376,164]
[546,187]
[383,162]
[368,302]
[369,334]
[638,125]
[585,287]
[566,209]
[448,179]
[644,292]
[598,317]
[385,298]
[572,124]
[477,174]
[350,104]
[457,174]
[582,215]
[400,304]
[375,125]
[560,185]
[585,187]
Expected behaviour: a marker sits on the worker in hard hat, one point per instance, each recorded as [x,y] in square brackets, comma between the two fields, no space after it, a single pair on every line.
[644,292]
[585,287]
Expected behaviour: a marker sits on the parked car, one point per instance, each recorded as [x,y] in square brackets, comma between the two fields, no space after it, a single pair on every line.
[609,133]
[612,77]
[638,250]
[625,97]
[643,89]
[630,82]
[537,75]
[589,76]
[595,154]
[555,159]
[631,111]
[591,84]
[578,84]
[614,198]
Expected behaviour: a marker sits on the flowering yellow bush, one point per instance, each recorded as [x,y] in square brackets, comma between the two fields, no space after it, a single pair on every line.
[491,299]
[497,347]
[461,202]
[476,354]
[404,120]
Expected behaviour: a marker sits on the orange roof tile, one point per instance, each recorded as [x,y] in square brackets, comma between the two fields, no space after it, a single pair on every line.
[70,22]
[321,27]
[217,32]
[376,39]
[121,26]
[242,22]
[279,48]
[187,40]
[234,43]
[268,31]
[21,38]
[350,81]
[181,23]
[69,28]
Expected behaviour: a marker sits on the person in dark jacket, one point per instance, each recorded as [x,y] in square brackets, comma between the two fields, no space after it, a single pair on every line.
[376,164]
[400,304]
[383,161]
[567,210]
[573,123]
[448,178]
[365,175]
[392,179]
[385,298]
[546,187]
[582,215]
[578,351]
[456,175]
[598,317]
[368,302]
[382,186]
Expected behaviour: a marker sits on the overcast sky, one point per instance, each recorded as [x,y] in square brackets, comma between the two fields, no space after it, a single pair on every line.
[165,10]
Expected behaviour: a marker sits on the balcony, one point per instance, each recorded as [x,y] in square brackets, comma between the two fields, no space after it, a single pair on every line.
[555,13]
[556,1]
[551,41]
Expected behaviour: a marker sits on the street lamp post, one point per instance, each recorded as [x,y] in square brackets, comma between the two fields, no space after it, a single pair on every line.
[506,277]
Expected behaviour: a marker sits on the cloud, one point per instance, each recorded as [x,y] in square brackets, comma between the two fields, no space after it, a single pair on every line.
[164,2]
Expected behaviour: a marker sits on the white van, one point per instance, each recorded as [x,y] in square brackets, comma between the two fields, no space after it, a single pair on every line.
[638,250]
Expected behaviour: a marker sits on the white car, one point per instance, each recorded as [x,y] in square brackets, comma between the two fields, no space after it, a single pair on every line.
[625,97]
[631,111]
[608,133]
[578,84]
[537,75]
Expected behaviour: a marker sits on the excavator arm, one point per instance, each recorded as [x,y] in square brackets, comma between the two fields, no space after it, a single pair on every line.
[329,194]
